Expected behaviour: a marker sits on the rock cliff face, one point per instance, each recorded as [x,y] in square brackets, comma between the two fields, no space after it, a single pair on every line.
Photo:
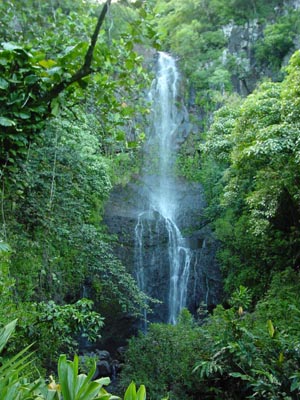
[241,41]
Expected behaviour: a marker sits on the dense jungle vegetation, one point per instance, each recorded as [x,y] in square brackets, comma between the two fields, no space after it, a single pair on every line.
[72,125]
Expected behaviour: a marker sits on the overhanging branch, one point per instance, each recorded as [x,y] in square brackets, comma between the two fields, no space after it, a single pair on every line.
[86,68]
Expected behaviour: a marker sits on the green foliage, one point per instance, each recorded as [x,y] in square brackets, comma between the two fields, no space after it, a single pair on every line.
[4,247]
[60,136]
[281,303]
[230,355]
[275,45]
[6,332]
[53,329]
[191,34]
[7,284]
[21,75]
[13,384]
[60,250]
[132,394]
[124,166]
[155,352]
[188,163]
[72,385]
[66,325]
[80,387]
[215,67]
[254,147]
[241,298]
[278,41]
[34,73]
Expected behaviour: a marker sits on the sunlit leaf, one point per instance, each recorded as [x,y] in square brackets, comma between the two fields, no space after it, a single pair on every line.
[6,121]
[3,84]
[11,46]
[47,63]
[271,328]
[130,393]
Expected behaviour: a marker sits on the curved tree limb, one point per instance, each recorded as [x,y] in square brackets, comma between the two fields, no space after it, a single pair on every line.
[85,69]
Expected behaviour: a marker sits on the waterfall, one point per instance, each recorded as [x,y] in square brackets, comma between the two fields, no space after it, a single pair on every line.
[160,214]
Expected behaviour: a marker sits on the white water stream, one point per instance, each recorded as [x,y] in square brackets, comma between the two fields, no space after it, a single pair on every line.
[160,188]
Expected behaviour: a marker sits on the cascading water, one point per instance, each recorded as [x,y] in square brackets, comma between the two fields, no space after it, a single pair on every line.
[159,218]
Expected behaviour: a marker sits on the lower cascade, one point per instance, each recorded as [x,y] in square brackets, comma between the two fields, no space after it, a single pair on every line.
[164,239]
[179,260]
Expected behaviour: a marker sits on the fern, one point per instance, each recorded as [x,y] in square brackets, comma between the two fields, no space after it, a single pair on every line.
[209,368]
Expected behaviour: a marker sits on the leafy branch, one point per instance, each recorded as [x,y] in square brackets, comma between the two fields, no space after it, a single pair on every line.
[86,68]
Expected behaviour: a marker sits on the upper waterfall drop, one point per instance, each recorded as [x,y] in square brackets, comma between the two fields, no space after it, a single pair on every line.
[161,190]
[162,137]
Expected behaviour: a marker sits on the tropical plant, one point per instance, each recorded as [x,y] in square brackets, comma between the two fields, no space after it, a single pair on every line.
[240,298]
[13,384]
[155,350]
[71,386]
[75,386]
[132,394]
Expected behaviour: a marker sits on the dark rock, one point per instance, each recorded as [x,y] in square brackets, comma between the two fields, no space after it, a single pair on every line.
[103,355]
[103,368]
[120,353]
[121,216]
[116,367]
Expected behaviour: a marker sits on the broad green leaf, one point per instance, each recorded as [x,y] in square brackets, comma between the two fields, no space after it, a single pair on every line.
[3,60]
[31,79]
[143,13]
[103,381]
[88,391]
[85,387]
[141,393]
[55,71]
[295,385]
[11,46]
[240,376]
[281,358]
[271,328]
[47,63]
[4,246]
[3,84]
[7,122]
[6,332]
[130,393]
[65,374]
[79,387]
[129,64]
[69,49]
[129,45]
[73,51]
[22,115]
[55,107]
